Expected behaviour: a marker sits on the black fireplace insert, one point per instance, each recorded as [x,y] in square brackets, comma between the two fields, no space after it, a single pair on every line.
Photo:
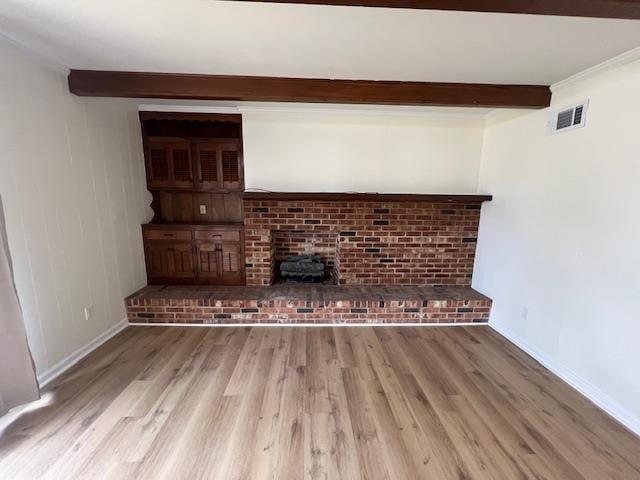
[302,268]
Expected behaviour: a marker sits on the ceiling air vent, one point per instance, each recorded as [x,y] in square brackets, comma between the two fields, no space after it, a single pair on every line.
[567,118]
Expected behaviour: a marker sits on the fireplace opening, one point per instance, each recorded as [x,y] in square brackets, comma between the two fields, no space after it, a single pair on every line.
[303,256]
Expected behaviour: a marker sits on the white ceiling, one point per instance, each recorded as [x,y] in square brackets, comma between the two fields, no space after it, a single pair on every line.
[246,38]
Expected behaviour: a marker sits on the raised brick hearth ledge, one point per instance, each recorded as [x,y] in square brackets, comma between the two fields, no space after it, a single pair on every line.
[318,304]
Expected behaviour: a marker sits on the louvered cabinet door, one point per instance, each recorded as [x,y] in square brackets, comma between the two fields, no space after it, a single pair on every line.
[208,260]
[231,167]
[158,158]
[208,165]
[181,168]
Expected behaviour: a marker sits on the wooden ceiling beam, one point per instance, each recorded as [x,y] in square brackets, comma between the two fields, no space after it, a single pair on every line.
[627,9]
[304,90]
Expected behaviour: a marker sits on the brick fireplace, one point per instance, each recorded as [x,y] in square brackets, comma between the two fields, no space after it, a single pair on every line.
[371,239]
[399,259]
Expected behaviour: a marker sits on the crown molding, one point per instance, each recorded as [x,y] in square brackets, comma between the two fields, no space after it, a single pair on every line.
[611,64]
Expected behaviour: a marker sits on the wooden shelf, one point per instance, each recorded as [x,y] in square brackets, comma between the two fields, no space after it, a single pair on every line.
[366,197]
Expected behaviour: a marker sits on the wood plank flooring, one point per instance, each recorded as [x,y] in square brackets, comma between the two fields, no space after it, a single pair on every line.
[315,403]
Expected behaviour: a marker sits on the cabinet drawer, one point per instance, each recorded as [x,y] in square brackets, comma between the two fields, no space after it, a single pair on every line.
[218,235]
[167,235]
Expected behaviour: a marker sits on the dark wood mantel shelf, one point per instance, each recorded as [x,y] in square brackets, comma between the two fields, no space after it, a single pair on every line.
[366,197]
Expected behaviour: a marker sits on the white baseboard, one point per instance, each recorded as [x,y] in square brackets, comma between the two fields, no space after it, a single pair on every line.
[475,324]
[65,364]
[584,387]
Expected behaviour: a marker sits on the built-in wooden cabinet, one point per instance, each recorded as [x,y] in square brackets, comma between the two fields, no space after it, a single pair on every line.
[195,174]
[207,254]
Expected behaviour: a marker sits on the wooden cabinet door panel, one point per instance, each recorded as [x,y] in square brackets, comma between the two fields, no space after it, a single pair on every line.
[209,261]
[181,168]
[157,258]
[158,165]
[208,165]
[231,261]
[231,167]
[182,257]
[169,259]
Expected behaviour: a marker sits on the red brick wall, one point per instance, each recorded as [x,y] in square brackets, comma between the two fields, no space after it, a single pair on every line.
[378,243]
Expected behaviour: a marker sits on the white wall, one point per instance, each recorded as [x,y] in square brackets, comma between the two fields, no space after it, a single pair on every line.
[562,238]
[361,152]
[73,188]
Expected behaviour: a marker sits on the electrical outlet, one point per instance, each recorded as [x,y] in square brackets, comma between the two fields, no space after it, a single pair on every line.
[524,313]
[203,209]
[88,312]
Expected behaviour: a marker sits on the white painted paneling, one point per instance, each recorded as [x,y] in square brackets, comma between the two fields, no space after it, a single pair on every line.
[561,237]
[72,183]
[358,152]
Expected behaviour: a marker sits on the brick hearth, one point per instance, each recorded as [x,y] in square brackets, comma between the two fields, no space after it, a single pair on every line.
[292,303]
[376,242]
